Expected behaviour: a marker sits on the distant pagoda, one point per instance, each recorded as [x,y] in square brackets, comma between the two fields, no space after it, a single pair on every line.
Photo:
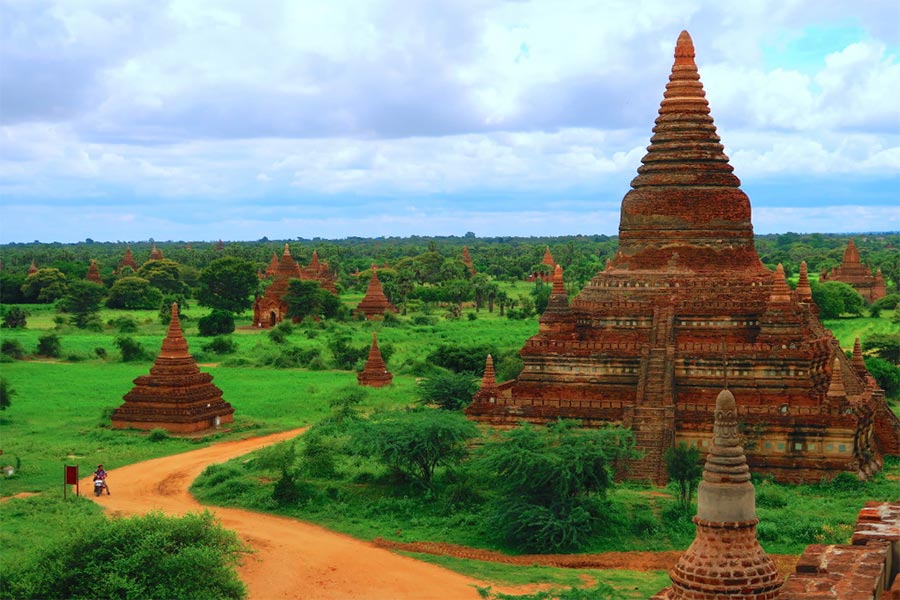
[375,372]
[270,309]
[318,271]
[93,273]
[156,253]
[467,260]
[175,396]
[644,344]
[375,303]
[852,272]
[128,261]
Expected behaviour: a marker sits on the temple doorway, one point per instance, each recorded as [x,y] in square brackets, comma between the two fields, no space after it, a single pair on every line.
[273,318]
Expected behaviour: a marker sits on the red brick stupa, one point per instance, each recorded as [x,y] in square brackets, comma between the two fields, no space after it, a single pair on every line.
[156,253]
[375,373]
[32,269]
[318,271]
[488,391]
[549,263]
[725,560]
[128,261]
[854,273]
[375,303]
[93,273]
[270,310]
[644,343]
[175,396]
[273,266]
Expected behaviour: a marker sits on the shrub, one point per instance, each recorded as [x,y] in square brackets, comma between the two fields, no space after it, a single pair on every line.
[448,390]
[220,345]
[218,322]
[345,355]
[888,302]
[15,317]
[49,345]
[280,332]
[12,349]
[886,374]
[157,435]
[6,394]
[133,293]
[123,324]
[130,348]
[150,556]
[100,352]
[461,358]
[683,464]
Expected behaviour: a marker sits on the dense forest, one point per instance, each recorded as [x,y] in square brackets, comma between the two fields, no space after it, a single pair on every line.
[427,260]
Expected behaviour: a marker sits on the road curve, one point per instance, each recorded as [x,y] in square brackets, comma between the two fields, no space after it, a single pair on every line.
[291,559]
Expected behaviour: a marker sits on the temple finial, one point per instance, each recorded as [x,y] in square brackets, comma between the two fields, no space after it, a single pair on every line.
[684,49]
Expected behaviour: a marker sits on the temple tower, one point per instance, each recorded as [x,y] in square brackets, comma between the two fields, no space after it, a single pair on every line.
[128,261]
[852,272]
[175,396]
[93,273]
[375,303]
[643,344]
[270,310]
[375,372]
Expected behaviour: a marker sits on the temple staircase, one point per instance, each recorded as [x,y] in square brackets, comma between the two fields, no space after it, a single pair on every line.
[653,417]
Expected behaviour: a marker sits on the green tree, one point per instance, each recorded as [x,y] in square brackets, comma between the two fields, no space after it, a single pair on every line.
[11,288]
[6,394]
[44,286]
[414,443]
[164,275]
[228,283]
[133,293]
[835,298]
[550,480]
[448,390]
[130,348]
[309,299]
[886,374]
[150,556]
[683,464]
[82,301]
[217,322]
[884,345]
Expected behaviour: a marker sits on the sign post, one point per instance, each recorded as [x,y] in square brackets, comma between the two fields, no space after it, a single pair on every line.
[71,478]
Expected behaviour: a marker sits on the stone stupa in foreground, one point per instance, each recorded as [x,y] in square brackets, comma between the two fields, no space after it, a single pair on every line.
[644,343]
[175,396]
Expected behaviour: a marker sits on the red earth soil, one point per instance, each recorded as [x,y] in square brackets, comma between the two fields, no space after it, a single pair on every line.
[294,559]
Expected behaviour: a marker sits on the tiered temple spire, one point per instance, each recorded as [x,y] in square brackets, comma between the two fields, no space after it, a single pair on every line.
[852,272]
[156,253]
[93,273]
[128,261]
[175,396]
[375,372]
[488,390]
[375,303]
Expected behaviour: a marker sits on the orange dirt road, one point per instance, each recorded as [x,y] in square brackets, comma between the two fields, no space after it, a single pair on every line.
[291,559]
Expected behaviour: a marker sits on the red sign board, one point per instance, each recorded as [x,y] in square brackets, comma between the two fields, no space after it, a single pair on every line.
[71,475]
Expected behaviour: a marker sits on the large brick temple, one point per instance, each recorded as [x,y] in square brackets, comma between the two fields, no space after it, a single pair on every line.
[686,306]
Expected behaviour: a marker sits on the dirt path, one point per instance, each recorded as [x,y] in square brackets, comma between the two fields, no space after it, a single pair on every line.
[292,559]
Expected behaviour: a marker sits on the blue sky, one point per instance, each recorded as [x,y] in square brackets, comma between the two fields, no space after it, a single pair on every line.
[201,120]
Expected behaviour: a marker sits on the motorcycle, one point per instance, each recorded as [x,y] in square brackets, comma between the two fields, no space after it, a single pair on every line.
[99,486]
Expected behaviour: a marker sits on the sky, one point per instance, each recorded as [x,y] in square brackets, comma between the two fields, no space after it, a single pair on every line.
[235,120]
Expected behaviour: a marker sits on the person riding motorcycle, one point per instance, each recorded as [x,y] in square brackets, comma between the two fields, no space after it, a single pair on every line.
[100,475]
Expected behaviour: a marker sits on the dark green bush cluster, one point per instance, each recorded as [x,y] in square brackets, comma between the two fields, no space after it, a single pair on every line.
[217,322]
[220,345]
[123,324]
[49,346]
[151,556]
[13,349]
[14,317]
[130,349]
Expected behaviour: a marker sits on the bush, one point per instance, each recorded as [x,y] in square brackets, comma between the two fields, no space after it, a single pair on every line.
[886,374]
[345,355]
[461,359]
[130,348]
[15,317]
[151,556]
[220,345]
[123,324]
[6,394]
[157,435]
[888,302]
[133,293]
[218,322]
[280,332]
[49,345]
[100,352]
[448,390]
[12,349]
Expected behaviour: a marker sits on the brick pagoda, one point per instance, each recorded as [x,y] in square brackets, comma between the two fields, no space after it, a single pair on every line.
[155,253]
[175,396]
[32,269]
[725,560]
[374,304]
[549,262]
[93,273]
[270,309]
[854,273]
[375,372]
[128,261]
[644,343]
[318,271]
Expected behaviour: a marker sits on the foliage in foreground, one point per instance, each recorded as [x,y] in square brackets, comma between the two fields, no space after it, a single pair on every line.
[150,556]
[550,480]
